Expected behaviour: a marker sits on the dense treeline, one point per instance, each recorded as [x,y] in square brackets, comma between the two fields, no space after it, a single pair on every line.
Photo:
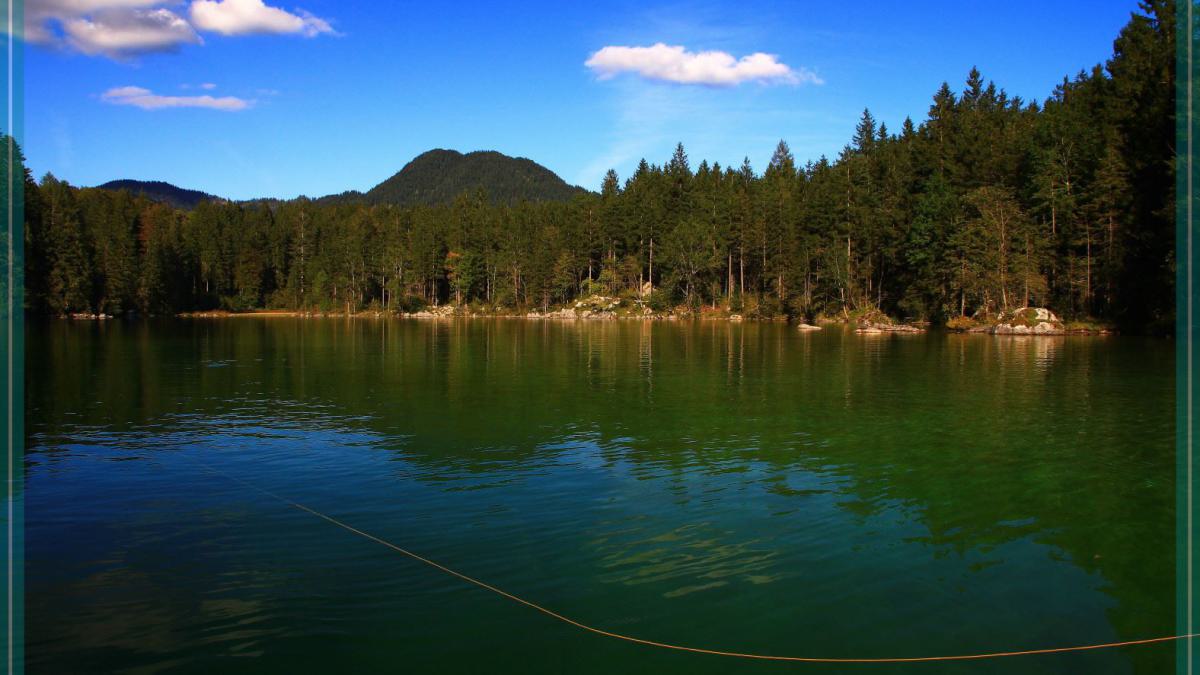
[990,203]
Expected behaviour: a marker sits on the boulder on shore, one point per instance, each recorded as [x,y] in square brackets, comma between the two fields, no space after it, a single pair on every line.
[872,321]
[873,327]
[590,307]
[439,312]
[1029,321]
[901,328]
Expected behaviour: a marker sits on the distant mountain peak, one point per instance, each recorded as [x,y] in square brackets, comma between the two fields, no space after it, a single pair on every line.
[433,177]
[438,176]
[159,191]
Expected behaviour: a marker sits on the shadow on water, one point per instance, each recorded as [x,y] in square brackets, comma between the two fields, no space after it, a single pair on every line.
[737,486]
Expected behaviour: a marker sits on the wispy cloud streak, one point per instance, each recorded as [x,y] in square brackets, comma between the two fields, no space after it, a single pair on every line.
[147,100]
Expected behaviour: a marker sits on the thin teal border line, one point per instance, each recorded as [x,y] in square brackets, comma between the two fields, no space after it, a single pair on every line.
[1186,317]
[12,308]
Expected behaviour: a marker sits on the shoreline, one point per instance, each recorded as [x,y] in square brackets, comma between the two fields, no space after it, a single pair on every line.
[871,322]
[562,315]
[915,328]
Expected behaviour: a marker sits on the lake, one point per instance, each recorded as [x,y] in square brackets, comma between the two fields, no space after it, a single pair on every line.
[743,487]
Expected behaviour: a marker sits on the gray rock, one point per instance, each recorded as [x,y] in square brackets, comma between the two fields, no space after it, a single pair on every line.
[1029,321]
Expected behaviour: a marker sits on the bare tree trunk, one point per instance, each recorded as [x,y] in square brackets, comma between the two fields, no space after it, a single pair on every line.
[303,241]
[741,272]
[1087,292]
[652,264]
[962,289]
[807,280]
[1028,260]
[729,277]
[849,295]
[1003,262]
[762,281]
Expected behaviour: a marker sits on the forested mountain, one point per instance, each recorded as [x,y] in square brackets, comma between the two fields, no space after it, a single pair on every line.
[990,202]
[438,176]
[158,191]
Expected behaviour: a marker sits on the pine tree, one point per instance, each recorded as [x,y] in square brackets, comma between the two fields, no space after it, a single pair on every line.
[69,279]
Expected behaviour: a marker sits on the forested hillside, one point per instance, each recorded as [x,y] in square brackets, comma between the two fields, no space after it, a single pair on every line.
[438,176]
[990,202]
[158,191]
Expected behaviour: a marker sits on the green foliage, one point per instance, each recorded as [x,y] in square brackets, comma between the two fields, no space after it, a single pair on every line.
[765,307]
[961,323]
[69,287]
[598,286]
[661,300]
[464,272]
[410,303]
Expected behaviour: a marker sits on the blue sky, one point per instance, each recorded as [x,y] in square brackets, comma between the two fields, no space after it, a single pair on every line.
[324,96]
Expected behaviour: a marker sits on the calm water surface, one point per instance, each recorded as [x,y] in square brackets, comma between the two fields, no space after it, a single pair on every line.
[742,487]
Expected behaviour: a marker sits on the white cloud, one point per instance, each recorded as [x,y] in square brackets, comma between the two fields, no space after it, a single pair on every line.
[44,17]
[121,33]
[208,86]
[665,63]
[243,17]
[148,100]
[113,28]
[120,29]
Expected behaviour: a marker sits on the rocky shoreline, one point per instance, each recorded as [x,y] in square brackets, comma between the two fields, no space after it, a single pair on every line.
[879,328]
[1025,321]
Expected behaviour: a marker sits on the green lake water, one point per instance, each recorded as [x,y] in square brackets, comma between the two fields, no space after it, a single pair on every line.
[743,487]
